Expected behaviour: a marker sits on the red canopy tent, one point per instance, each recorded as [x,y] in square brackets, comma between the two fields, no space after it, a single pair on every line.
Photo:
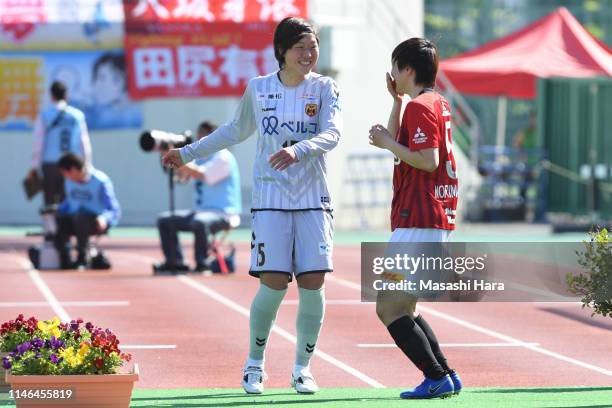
[555,45]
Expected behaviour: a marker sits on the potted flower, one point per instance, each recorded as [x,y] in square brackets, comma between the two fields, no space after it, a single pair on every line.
[70,364]
[12,334]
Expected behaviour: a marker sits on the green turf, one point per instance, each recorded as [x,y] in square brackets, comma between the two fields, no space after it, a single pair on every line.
[561,397]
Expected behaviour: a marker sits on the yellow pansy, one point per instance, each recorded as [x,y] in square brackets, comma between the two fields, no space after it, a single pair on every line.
[73,359]
[66,353]
[83,350]
[50,326]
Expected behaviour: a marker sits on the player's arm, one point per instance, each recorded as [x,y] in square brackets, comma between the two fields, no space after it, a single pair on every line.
[330,125]
[393,124]
[426,159]
[420,150]
[239,129]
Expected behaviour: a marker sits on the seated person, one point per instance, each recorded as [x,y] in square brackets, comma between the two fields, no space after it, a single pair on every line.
[217,206]
[90,208]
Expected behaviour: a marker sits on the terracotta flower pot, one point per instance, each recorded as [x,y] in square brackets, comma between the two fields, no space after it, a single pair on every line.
[87,391]
[3,385]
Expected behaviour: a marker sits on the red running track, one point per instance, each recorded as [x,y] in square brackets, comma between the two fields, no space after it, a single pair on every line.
[517,344]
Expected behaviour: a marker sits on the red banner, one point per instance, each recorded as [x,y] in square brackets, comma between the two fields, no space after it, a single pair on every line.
[201,47]
[237,11]
[198,59]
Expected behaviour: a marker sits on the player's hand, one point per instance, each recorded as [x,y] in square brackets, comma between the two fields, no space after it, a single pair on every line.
[392,89]
[101,223]
[283,158]
[380,137]
[172,159]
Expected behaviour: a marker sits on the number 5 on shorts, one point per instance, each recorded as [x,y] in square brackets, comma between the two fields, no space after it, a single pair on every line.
[261,256]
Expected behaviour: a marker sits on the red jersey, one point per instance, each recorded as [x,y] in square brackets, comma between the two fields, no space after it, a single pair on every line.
[422,199]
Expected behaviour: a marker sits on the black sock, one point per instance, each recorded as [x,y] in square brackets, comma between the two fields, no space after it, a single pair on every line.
[433,343]
[411,339]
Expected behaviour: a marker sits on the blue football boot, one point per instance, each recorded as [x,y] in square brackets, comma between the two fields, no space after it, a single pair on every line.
[429,388]
[457,384]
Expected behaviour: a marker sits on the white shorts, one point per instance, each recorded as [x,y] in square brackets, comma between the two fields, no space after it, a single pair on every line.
[291,242]
[420,235]
[419,241]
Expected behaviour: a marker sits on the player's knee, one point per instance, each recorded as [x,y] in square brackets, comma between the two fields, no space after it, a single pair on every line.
[276,281]
[388,312]
[311,281]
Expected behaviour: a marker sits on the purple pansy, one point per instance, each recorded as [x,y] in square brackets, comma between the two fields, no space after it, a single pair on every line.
[38,343]
[22,348]
[55,343]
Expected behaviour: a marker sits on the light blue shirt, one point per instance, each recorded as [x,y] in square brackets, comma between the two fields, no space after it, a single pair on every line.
[95,196]
[66,136]
[221,189]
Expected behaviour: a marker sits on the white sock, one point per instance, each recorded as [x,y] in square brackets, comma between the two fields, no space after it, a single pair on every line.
[254,363]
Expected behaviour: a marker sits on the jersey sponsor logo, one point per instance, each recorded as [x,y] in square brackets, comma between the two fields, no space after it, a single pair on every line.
[269,123]
[325,200]
[445,108]
[308,96]
[445,191]
[81,195]
[300,127]
[419,137]
[268,109]
[269,96]
[311,109]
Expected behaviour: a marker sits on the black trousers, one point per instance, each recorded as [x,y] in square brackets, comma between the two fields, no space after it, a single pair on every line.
[82,226]
[52,183]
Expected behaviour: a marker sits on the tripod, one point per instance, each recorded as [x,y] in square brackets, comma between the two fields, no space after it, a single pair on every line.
[174,269]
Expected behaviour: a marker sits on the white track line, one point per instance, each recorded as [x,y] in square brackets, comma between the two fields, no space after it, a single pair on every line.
[276,329]
[488,332]
[447,345]
[46,292]
[77,303]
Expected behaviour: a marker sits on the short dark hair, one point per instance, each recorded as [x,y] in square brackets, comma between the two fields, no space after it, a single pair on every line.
[421,55]
[289,31]
[58,91]
[70,161]
[116,60]
[207,126]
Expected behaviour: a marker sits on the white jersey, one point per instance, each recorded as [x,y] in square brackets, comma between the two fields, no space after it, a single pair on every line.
[306,117]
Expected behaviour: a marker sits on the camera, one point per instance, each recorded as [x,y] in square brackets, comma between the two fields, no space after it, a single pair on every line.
[160,140]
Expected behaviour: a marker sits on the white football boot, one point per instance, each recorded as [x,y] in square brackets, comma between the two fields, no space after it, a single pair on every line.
[303,381]
[252,381]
